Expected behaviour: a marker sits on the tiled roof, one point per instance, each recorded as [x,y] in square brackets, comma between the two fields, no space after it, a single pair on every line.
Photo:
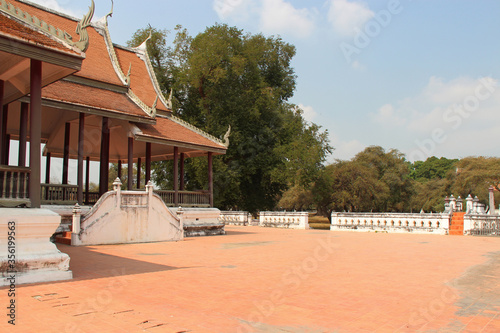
[170,130]
[92,97]
[140,80]
[12,28]
[97,65]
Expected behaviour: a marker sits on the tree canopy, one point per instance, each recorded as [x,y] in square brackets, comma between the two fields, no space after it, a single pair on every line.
[224,77]
[276,159]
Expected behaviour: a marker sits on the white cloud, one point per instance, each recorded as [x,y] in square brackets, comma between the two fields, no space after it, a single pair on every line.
[281,17]
[233,10]
[309,113]
[348,17]
[344,150]
[450,118]
[386,114]
[357,65]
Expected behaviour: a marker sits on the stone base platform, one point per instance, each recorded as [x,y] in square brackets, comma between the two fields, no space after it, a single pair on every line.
[201,222]
[28,255]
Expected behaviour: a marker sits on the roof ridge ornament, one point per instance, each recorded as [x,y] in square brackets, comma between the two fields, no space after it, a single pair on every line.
[169,101]
[127,78]
[153,108]
[144,45]
[196,129]
[46,28]
[226,137]
[81,29]
[110,14]
[103,22]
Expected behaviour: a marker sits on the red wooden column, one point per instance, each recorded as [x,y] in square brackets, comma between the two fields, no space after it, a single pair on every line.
[119,175]
[81,138]
[139,173]
[47,169]
[23,133]
[87,180]
[176,176]
[2,88]
[67,132]
[130,163]
[181,171]
[148,162]
[35,131]
[104,158]
[210,179]
[5,139]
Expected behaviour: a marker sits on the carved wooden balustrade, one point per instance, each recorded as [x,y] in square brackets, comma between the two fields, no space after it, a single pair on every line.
[58,194]
[186,198]
[14,185]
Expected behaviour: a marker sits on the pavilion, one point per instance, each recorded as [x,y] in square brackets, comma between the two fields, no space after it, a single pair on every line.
[94,101]
[87,99]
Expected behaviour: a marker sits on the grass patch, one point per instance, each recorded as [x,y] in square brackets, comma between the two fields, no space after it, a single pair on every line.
[319,222]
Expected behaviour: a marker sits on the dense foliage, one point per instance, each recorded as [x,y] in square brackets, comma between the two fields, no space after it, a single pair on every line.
[224,77]
[221,78]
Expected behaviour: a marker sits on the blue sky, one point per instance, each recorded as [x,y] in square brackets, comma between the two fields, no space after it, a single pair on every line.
[419,76]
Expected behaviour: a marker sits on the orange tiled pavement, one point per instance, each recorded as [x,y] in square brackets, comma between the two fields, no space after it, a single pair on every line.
[272,280]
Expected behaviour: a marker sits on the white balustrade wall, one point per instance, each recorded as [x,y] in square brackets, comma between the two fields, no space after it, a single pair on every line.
[426,223]
[291,220]
[481,224]
[235,218]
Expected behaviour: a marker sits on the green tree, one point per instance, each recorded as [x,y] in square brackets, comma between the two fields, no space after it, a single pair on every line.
[474,175]
[224,77]
[432,168]
[158,53]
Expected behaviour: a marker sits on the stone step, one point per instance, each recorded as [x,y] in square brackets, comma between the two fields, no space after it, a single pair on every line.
[64,239]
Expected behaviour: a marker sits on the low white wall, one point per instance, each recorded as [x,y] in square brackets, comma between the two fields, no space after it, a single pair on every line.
[127,217]
[235,218]
[201,221]
[481,224]
[433,223]
[291,220]
[30,253]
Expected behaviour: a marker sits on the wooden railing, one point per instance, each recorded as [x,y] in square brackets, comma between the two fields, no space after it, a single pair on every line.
[186,198]
[59,194]
[91,198]
[14,186]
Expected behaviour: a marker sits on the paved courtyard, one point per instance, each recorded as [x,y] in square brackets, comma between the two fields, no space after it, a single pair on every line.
[272,280]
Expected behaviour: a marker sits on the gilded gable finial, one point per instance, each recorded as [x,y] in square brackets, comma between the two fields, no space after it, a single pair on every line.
[81,29]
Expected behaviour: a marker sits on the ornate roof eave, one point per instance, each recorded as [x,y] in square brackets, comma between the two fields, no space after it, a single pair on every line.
[195,129]
[49,30]
[150,111]
[142,52]
[138,135]
[102,28]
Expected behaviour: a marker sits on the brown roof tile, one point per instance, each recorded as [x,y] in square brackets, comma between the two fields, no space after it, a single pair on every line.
[170,130]
[140,81]
[78,94]
[97,65]
[13,28]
